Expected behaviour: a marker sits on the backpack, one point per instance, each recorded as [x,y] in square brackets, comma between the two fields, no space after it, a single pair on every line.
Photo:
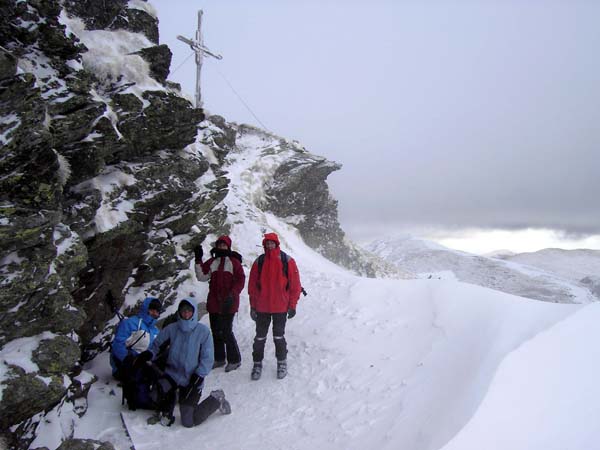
[139,388]
[237,256]
[142,387]
[284,265]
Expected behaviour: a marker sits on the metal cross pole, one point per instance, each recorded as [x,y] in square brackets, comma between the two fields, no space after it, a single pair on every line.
[198,47]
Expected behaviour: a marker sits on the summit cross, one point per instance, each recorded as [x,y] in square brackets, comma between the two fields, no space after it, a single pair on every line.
[197,45]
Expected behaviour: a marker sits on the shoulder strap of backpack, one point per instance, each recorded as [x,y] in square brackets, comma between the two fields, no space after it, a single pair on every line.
[284,266]
[284,262]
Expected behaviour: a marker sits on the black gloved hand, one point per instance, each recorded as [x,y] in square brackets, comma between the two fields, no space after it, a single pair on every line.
[194,384]
[253,314]
[291,313]
[227,304]
[198,253]
[142,359]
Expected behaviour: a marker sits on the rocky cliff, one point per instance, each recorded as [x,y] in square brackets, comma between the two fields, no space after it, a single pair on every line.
[108,178]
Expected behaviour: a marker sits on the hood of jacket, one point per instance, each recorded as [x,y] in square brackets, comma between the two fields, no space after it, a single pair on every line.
[270,237]
[143,313]
[225,239]
[188,325]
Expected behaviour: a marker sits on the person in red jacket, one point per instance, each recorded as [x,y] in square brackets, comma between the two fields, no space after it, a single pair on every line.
[226,274]
[274,289]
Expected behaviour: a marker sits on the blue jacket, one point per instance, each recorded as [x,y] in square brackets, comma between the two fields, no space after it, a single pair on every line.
[141,321]
[190,348]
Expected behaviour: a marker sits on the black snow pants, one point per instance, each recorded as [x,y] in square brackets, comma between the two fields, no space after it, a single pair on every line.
[193,411]
[221,326]
[263,320]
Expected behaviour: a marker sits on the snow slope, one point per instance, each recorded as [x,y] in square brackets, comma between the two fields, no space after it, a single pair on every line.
[513,276]
[571,264]
[543,409]
[380,363]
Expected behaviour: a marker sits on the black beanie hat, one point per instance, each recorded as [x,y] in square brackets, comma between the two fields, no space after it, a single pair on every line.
[155,304]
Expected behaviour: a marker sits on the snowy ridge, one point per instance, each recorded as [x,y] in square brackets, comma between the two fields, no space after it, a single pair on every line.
[571,264]
[430,260]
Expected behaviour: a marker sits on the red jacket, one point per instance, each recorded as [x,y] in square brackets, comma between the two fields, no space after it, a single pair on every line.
[227,277]
[273,292]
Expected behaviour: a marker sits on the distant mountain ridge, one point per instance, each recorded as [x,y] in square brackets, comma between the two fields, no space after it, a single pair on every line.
[563,276]
[572,264]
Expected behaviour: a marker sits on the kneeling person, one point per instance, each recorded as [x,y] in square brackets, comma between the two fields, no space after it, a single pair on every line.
[189,358]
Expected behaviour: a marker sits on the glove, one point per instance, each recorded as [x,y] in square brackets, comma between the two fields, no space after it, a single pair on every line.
[253,314]
[194,384]
[227,304]
[291,313]
[142,359]
[198,253]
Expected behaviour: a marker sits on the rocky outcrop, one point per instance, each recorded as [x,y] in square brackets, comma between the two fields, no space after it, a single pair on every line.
[292,186]
[8,65]
[159,58]
[593,284]
[113,15]
[99,192]
[27,394]
[299,191]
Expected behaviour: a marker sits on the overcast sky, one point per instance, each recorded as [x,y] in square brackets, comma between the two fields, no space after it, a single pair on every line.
[448,116]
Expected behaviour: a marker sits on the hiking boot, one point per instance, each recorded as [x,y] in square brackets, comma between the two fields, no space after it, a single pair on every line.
[224,405]
[165,419]
[281,369]
[232,366]
[256,371]
[153,419]
[218,364]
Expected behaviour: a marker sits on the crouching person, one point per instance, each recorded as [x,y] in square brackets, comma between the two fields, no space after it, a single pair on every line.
[134,335]
[188,347]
